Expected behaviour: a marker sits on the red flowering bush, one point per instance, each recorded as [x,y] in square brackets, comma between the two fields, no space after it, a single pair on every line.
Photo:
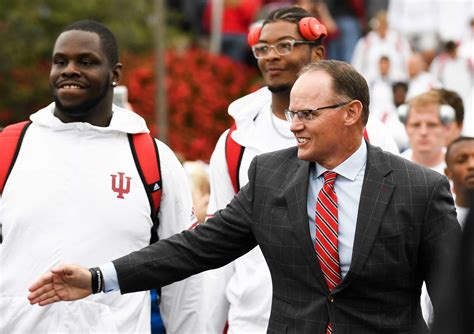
[200,87]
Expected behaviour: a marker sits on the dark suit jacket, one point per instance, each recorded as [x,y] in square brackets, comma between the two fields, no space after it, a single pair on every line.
[406,223]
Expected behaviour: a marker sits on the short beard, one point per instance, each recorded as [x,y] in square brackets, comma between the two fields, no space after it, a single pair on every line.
[280,89]
[81,111]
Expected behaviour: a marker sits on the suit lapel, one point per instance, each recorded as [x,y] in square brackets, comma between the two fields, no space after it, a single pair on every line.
[297,199]
[376,192]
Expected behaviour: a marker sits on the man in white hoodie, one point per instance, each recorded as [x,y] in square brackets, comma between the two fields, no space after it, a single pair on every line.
[238,296]
[60,198]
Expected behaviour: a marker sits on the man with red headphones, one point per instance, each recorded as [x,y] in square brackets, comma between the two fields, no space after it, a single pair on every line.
[238,296]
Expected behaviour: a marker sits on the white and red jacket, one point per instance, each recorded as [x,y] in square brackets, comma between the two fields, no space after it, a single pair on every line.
[60,205]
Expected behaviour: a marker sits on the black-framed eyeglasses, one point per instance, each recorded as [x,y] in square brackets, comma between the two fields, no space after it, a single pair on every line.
[308,114]
[282,48]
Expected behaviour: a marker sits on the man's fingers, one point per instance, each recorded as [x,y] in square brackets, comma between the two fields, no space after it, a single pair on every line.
[50,300]
[39,298]
[40,290]
[42,281]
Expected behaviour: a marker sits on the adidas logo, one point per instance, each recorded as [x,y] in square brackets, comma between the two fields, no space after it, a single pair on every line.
[156,187]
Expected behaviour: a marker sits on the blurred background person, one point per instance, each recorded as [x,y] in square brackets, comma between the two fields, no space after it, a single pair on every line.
[380,87]
[466,42]
[460,170]
[198,176]
[419,79]
[386,95]
[381,41]
[418,22]
[426,127]
[349,16]
[237,16]
[452,71]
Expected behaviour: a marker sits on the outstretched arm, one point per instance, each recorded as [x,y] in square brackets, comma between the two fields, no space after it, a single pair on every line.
[66,282]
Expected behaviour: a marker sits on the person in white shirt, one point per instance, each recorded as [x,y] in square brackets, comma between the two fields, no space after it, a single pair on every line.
[419,80]
[453,71]
[381,41]
[460,170]
[60,201]
[426,123]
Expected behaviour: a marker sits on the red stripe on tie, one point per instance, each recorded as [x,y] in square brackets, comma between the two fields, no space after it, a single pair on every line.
[326,219]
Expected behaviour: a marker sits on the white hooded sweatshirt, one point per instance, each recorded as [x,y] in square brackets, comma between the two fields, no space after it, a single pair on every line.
[60,205]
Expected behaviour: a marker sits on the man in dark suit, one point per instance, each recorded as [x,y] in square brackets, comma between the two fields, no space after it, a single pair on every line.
[347,256]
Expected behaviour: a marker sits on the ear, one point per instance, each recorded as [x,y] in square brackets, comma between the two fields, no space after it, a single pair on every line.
[117,72]
[447,172]
[353,113]
[318,53]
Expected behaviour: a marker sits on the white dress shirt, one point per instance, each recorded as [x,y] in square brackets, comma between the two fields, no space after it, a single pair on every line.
[348,186]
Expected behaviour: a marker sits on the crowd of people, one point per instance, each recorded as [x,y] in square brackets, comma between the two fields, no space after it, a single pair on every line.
[317,213]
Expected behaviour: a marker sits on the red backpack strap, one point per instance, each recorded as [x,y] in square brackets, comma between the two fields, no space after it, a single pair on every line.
[10,142]
[233,156]
[147,160]
[366,136]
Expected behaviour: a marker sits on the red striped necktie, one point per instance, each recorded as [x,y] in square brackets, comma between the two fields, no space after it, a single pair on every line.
[326,233]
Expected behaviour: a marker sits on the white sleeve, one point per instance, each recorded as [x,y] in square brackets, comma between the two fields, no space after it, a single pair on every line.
[178,300]
[222,190]
[380,136]
[211,298]
[358,56]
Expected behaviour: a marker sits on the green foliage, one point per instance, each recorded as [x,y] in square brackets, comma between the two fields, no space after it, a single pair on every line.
[28,29]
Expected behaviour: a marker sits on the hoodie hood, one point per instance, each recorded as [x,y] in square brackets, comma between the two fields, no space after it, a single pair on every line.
[244,111]
[123,120]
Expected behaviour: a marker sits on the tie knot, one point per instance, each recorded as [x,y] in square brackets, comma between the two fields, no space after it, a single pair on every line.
[329,177]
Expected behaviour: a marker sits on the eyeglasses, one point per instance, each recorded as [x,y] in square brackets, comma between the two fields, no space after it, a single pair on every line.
[309,114]
[282,48]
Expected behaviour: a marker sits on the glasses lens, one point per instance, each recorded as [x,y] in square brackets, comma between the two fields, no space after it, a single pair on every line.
[260,50]
[289,115]
[284,47]
[306,115]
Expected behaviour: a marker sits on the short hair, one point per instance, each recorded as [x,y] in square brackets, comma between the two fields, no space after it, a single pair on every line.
[107,38]
[400,84]
[346,82]
[454,100]
[289,14]
[430,97]
[454,142]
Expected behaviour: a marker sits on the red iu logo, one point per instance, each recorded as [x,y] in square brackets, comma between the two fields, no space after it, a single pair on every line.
[120,189]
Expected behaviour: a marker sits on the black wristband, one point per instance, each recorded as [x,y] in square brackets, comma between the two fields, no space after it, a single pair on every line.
[97,280]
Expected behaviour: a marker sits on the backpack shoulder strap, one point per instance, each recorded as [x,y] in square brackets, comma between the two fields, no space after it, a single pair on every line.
[233,156]
[10,142]
[147,160]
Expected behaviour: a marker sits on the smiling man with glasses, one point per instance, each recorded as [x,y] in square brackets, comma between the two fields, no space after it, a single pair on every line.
[309,114]
[282,48]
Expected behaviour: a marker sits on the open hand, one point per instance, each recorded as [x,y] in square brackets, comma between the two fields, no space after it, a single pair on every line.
[63,283]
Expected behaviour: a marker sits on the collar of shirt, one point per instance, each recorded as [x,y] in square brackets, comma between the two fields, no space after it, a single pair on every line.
[350,167]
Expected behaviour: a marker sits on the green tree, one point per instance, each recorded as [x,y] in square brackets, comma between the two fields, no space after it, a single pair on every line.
[28,29]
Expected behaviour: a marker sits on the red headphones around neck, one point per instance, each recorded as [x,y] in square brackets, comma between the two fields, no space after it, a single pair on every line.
[309,27]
